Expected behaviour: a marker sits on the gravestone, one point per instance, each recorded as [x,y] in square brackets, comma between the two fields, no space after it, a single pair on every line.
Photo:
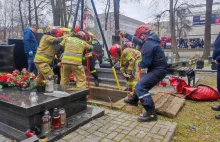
[6,58]
[19,56]
[18,113]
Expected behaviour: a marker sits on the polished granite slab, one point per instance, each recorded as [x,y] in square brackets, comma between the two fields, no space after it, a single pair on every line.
[18,112]
[74,122]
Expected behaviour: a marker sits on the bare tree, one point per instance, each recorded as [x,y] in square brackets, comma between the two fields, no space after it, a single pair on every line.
[107,8]
[182,24]
[29,12]
[206,51]
[116,15]
[173,25]
[21,15]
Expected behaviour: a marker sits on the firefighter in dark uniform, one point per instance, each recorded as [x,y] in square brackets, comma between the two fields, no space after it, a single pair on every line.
[154,60]
[91,63]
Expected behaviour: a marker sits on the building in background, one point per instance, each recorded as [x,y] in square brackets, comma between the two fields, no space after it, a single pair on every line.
[126,24]
[197,17]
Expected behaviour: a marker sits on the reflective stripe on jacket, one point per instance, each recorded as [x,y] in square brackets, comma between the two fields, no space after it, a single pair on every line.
[73,50]
[129,58]
[46,50]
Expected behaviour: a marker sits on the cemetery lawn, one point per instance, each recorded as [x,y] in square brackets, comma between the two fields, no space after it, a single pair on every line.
[194,113]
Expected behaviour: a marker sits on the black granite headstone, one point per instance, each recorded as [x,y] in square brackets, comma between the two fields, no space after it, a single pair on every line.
[20,58]
[6,58]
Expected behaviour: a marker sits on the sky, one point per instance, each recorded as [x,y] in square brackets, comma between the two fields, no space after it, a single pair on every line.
[130,9]
[144,11]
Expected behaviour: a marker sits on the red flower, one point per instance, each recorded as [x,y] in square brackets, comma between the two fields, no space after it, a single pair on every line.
[33,77]
[27,73]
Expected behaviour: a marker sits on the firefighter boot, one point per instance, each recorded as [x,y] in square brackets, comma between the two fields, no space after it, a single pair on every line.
[96,79]
[217,116]
[216,108]
[132,101]
[148,116]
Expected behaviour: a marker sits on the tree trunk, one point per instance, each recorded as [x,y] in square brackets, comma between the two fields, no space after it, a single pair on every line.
[21,17]
[172,29]
[35,12]
[56,12]
[70,13]
[116,15]
[61,13]
[65,14]
[206,51]
[29,12]
[107,8]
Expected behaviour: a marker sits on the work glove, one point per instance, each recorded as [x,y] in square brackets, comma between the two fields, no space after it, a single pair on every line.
[31,54]
[57,40]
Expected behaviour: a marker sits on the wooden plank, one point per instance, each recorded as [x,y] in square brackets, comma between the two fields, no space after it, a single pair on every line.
[168,105]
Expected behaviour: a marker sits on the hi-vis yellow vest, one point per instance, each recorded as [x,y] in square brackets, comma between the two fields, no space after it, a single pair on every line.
[46,50]
[73,50]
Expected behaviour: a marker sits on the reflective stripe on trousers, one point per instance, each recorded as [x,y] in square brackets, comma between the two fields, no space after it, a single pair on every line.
[44,57]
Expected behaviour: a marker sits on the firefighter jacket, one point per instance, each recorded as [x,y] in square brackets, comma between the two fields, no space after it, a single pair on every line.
[73,50]
[153,56]
[46,50]
[129,58]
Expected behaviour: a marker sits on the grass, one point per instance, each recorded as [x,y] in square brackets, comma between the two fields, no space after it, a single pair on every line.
[194,113]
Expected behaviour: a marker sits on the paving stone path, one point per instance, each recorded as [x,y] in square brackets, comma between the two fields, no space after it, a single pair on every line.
[119,127]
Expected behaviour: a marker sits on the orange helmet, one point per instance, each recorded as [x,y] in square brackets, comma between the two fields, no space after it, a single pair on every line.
[83,35]
[142,29]
[56,32]
[77,29]
[115,50]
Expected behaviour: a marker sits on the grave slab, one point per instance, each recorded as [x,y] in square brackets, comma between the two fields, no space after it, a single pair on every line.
[18,114]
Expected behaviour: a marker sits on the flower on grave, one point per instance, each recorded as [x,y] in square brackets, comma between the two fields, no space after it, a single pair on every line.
[40,82]
[17,78]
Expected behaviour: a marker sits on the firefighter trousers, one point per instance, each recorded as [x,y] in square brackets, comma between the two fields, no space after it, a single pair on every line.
[92,66]
[146,83]
[131,83]
[78,72]
[44,70]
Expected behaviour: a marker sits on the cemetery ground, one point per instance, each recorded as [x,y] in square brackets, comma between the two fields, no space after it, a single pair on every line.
[198,114]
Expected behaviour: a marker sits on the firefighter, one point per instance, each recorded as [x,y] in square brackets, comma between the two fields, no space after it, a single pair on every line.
[92,63]
[153,58]
[74,47]
[46,52]
[129,59]
[216,58]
